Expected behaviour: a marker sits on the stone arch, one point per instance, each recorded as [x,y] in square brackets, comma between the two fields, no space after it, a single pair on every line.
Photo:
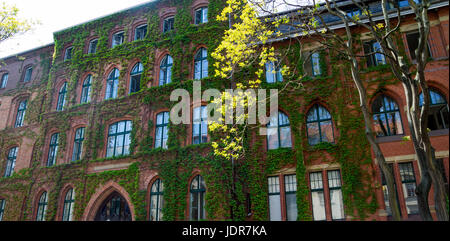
[100,195]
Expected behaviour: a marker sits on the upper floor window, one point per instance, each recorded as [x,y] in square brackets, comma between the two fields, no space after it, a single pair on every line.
[4,80]
[117,39]
[413,44]
[273,72]
[279,132]
[86,90]
[28,74]
[21,113]
[201,64]
[198,192]
[78,144]
[386,116]
[42,207]
[53,150]
[315,64]
[140,32]
[68,53]
[373,52]
[112,84]
[319,125]
[168,24]
[275,191]
[354,12]
[93,46]
[135,77]
[438,112]
[11,161]
[161,133]
[62,97]
[201,15]
[165,70]
[200,125]
[119,139]
[2,208]
[69,201]
[156,200]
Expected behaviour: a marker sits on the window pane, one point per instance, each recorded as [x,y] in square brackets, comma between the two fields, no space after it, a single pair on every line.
[272,136]
[318,204]
[313,133]
[326,128]
[274,208]
[291,207]
[270,78]
[285,137]
[337,204]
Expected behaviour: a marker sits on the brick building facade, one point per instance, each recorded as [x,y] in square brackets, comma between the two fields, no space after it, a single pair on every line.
[84,130]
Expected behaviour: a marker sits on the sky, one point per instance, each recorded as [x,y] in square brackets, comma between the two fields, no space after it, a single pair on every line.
[55,15]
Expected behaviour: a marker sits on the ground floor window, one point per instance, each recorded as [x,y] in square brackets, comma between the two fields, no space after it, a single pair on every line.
[114,208]
[282,192]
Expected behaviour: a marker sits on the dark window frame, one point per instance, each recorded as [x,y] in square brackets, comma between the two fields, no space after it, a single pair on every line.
[53,149]
[70,202]
[318,121]
[122,38]
[42,207]
[20,115]
[11,161]
[201,20]
[112,82]
[2,208]
[335,188]
[434,92]
[199,122]
[200,192]
[4,82]
[168,24]
[28,74]
[135,82]
[289,192]
[78,144]
[317,190]
[277,76]
[278,127]
[165,68]
[68,53]
[138,32]
[91,49]
[404,180]
[126,131]
[159,193]
[62,97]
[386,112]
[86,90]
[202,60]
[162,126]
[312,58]
[373,58]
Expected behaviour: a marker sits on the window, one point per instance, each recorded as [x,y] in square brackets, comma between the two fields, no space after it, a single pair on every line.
[413,44]
[386,117]
[279,132]
[42,207]
[69,201]
[319,125]
[386,192]
[62,97]
[290,187]
[162,122]
[168,24]
[93,46]
[441,168]
[156,200]
[53,150]
[119,139]
[68,53]
[2,208]
[165,70]
[201,64]
[409,187]
[336,199]
[438,112]
[86,90]
[117,39]
[135,78]
[112,84]
[78,144]
[11,161]
[28,73]
[374,53]
[200,125]
[140,32]
[315,64]
[201,15]
[4,80]
[317,196]
[354,12]
[114,208]
[198,191]
[273,72]
[21,113]
[274,198]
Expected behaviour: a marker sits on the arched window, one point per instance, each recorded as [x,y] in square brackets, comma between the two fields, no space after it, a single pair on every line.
[4,80]
[69,201]
[112,84]
[319,125]
[86,90]
[165,70]
[28,73]
[135,77]
[279,132]
[119,139]
[156,200]
[140,32]
[201,15]
[114,208]
[42,207]
[21,113]
[198,191]
[438,113]
[201,64]
[161,134]
[78,144]
[53,150]
[62,97]
[168,24]
[11,162]
[386,116]
[200,125]
[273,72]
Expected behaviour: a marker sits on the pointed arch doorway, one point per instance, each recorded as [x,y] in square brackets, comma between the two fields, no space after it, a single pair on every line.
[113,208]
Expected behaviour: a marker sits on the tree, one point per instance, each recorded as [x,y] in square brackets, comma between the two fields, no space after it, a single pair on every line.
[10,23]
[306,20]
